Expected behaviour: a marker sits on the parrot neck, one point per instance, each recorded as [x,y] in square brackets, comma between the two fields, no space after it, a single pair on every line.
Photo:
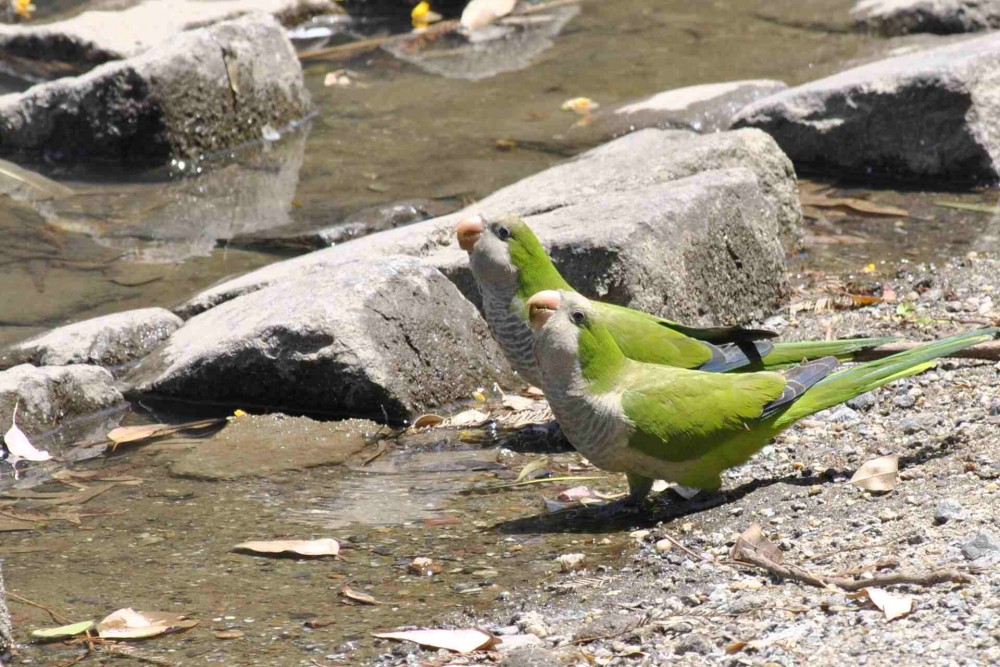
[601,360]
[535,271]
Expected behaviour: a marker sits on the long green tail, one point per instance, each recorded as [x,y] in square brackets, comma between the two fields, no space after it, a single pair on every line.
[851,382]
[786,354]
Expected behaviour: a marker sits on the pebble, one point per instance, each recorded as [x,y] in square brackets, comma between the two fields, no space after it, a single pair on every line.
[980,545]
[694,643]
[946,510]
[842,414]
[905,401]
[863,402]
[910,425]
[570,562]
[664,545]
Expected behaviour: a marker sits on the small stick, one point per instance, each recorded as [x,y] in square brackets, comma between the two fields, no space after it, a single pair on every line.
[988,351]
[795,573]
[54,614]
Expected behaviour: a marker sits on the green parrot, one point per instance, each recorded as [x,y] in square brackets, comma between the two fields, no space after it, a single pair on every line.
[510,264]
[652,421]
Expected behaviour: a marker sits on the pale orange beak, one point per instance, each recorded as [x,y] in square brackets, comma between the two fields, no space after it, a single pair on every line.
[541,306]
[468,232]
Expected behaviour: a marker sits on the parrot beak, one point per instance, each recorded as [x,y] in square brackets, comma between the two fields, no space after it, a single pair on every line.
[468,232]
[541,306]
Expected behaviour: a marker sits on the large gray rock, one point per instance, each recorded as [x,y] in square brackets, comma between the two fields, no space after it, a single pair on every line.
[389,337]
[110,340]
[929,114]
[77,44]
[700,249]
[705,108]
[943,17]
[202,91]
[617,170]
[48,396]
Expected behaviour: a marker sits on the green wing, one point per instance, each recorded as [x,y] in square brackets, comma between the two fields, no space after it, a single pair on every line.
[704,422]
[642,337]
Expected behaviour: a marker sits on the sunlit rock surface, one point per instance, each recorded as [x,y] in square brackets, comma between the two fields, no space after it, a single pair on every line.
[200,92]
[900,17]
[929,114]
[75,45]
[386,338]
[111,340]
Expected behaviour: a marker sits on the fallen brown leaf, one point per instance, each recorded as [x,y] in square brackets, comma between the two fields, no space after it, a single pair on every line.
[460,641]
[880,475]
[752,539]
[322,547]
[357,596]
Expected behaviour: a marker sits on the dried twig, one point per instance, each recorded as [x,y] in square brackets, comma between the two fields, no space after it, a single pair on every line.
[796,573]
[54,614]
[988,351]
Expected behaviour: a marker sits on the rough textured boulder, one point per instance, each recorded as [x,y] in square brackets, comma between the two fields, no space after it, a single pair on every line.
[202,91]
[77,44]
[700,249]
[929,114]
[943,17]
[384,338]
[111,340]
[625,166]
[48,396]
[705,108]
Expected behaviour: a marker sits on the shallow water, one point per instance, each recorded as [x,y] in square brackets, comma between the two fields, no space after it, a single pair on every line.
[396,133]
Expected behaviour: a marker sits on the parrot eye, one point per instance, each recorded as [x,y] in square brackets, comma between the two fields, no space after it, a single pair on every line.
[503,233]
[578,317]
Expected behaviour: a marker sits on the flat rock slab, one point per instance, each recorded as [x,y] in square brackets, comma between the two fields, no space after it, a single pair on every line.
[257,446]
[700,249]
[200,92]
[383,338]
[706,108]
[929,114]
[111,340]
[942,17]
[627,165]
[49,396]
[74,46]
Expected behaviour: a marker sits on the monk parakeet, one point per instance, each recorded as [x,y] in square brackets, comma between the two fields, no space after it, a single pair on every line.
[510,264]
[659,422]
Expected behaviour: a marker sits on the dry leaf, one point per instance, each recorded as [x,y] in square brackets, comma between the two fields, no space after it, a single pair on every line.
[125,434]
[460,641]
[893,606]
[357,596]
[581,105]
[323,547]
[228,634]
[425,421]
[575,494]
[881,474]
[518,403]
[130,624]
[850,205]
[753,540]
[533,469]
[63,631]
[467,418]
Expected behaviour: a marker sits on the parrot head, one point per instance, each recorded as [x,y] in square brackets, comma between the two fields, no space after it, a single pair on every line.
[569,333]
[499,251]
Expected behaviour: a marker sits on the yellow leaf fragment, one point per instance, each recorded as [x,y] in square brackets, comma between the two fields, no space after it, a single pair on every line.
[580,105]
[131,624]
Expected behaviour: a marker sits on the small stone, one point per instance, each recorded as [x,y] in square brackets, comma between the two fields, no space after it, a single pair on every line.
[905,401]
[910,425]
[887,516]
[843,415]
[570,562]
[664,545]
[533,623]
[694,643]
[947,510]
[980,545]
[639,535]
[815,490]
[424,567]
[863,402]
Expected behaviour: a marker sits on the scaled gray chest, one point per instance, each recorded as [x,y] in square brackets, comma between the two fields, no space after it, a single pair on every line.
[514,336]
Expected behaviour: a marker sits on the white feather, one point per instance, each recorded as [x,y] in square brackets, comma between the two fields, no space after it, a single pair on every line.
[481,13]
[19,447]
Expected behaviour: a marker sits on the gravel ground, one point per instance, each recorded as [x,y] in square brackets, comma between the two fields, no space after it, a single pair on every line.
[685,604]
